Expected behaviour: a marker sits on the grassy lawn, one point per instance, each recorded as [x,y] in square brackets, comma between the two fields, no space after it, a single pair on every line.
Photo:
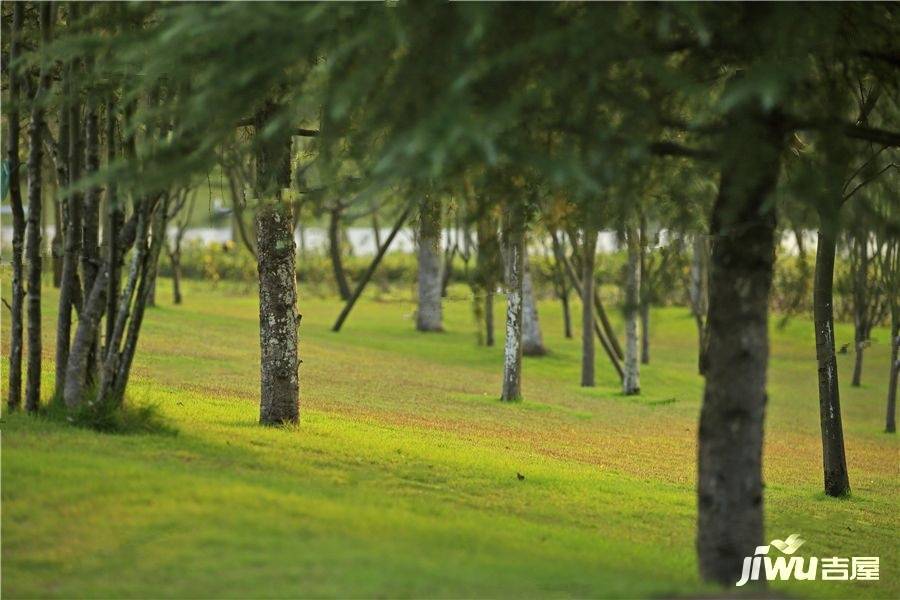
[401,479]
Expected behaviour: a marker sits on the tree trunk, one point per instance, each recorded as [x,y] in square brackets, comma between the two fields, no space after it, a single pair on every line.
[514,255]
[279,320]
[278,317]
[175,259]
[730,494]
[891,418]
[837,481]
[429,314]
[90,255]
[589,249]
[115,218]
[644,295]
[699,295]
[78,370]
[631,383]
[334,247]
[382,250]
[17,326]
[60,219]
[532,340]
[860,247]
[33,226]
[73,239]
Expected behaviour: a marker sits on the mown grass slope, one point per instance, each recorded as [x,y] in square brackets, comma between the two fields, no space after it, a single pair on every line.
[402,480]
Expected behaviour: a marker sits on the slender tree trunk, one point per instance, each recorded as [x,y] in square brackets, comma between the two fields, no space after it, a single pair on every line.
[367,276]
[429,316]
[891,418]
[279,320]
[90,255]
[489,318]
[115,219]
[334,247]
[860,247]
[73,240]
[699,293]
[33,226]
[175,259]
[730,488]
[644,295]
[17,325]
[60,215]
[589,249]
[376,230]
[631,384]
[514,255]
[532,340]
[559,271]
[837,481]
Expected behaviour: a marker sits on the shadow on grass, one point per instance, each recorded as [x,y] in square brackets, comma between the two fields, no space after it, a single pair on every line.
[110,417]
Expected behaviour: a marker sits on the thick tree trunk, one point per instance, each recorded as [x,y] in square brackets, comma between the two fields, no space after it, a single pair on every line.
[73,239]
[589,249]
[891,417]
[334,248]
[514,255]
[279,320]
[429,316]
[278,317]
[730,489]
[631,384]
[17,325]
[78,370]
[837,481]
[33,226]
[532,340]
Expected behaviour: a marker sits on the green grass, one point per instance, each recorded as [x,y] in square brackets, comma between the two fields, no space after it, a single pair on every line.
[401,479]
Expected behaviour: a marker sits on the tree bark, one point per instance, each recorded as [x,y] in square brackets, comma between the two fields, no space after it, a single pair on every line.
[631,383]
[90,255]
[861,325]
[73,238]
[891,417]
[60,159]
[837,481]
[644,294]
[279,320]
[17,325]
[175,259]
[33,226]
[699,295]
[514,255]
[115,219]
[561,284]
[532,340]
[78,370]
[730,488]
[589,249]
[429,316]
[334,247]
